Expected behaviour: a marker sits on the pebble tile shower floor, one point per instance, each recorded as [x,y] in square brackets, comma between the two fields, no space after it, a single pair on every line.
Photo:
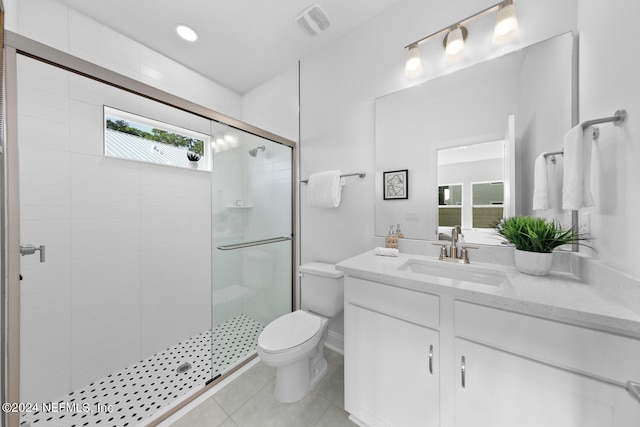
[138,391]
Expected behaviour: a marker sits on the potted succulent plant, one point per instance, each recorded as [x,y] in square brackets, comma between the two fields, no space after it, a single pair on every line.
[535,239]
[193,159]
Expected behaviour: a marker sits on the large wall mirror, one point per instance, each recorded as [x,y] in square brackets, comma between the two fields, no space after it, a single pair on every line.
[469,140]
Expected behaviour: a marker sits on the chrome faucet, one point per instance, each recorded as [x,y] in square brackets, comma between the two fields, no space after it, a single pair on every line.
[452,255]
[455,233]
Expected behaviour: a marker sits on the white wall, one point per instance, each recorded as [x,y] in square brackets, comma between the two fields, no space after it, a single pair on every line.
[56,25]
[543,118]
[609,80]
[273,106]
[339,85]
[128,268]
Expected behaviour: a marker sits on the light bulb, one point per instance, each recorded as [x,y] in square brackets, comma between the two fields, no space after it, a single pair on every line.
[187,33]
[455,43]
[413,68]
[506,24]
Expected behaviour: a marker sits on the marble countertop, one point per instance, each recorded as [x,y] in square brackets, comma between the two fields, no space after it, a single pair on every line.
[559,296]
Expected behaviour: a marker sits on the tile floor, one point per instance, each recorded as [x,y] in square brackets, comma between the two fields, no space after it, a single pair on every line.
[248,401]
[140,390]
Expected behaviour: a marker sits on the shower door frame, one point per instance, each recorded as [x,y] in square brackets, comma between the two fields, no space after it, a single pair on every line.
[14,45]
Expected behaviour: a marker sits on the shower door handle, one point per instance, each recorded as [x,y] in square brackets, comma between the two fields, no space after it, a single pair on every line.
[31,249]
[254,243]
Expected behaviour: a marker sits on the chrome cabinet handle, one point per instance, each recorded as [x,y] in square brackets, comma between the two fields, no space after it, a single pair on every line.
[31,249]
[463,372]
[431,359]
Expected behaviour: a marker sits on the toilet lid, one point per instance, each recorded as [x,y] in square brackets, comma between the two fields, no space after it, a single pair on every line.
[289,331]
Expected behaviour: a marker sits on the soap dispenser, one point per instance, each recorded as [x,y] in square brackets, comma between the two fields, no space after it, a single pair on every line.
[391,241]
[399,232]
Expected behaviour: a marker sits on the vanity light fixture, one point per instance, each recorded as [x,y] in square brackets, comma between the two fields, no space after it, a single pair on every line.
[454,42]
[506,23]
[413,67]
[505,29]
[186,33]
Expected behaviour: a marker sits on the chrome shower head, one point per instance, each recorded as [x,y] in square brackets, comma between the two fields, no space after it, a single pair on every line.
[254,151]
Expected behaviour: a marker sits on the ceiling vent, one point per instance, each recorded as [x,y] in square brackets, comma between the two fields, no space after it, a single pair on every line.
[313,20]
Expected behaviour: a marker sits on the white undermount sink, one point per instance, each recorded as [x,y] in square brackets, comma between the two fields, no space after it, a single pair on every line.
[456,272]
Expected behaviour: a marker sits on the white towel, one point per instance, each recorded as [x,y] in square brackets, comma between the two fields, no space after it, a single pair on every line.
[540,184]
[386,251]
[324,189]
[576,185]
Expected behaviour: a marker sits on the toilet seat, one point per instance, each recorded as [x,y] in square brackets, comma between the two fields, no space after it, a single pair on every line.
[289,331]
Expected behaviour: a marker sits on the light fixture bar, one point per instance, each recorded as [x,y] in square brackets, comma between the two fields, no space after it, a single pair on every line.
[461,22]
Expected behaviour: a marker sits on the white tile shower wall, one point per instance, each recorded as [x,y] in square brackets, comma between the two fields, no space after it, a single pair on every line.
[128,269]
[58,26]
[45,214]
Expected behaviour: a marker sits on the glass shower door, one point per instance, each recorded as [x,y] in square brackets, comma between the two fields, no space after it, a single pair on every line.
[252,242]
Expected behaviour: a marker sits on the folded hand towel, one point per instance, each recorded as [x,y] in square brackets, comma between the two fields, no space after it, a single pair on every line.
[324,189]
[576,186]
[540,184]
[386,251]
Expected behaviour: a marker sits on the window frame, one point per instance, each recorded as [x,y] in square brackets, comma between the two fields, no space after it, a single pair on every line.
[204,164]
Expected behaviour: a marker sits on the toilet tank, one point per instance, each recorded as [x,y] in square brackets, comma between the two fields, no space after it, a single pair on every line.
[322,288]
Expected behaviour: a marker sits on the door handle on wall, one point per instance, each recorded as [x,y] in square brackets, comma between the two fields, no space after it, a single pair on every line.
[31,249]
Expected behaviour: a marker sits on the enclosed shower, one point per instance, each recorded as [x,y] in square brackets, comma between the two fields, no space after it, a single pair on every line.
[162,266]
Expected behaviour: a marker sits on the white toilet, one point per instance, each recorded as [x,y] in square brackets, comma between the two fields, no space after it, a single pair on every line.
[294,343]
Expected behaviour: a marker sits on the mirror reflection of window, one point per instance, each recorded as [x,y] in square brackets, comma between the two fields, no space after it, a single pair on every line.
[476,200]
[450,195]
[450,205]
[488,203]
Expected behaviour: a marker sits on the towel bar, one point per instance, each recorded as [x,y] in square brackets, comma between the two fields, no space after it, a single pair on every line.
[360,174]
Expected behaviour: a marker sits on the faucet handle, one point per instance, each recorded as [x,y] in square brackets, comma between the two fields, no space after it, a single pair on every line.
[464,254]
[443,250]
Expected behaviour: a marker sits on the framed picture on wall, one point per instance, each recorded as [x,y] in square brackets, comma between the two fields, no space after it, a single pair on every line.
[396,184]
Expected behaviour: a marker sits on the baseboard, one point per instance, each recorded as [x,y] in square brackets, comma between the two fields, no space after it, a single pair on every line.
[356,421]
[335,342]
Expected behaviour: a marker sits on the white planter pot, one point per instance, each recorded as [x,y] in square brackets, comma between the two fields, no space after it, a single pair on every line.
[534,263]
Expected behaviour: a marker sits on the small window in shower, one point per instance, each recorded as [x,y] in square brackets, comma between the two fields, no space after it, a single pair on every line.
[133,137]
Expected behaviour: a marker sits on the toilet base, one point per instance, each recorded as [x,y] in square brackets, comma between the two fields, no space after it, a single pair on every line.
[294,381]
[295,378]
[318,372]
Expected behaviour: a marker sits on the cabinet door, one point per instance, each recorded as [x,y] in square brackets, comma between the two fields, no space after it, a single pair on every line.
[504,390]
[391,380]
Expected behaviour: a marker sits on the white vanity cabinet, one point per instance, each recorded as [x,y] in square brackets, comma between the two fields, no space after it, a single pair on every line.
[426,359]
[506,390]
[391,355]
[514,369]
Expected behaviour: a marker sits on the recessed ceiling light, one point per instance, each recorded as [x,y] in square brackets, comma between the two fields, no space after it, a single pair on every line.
[187,33]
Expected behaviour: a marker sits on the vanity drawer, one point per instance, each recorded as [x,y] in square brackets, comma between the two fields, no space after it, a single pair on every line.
[597,353]
[413,306]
